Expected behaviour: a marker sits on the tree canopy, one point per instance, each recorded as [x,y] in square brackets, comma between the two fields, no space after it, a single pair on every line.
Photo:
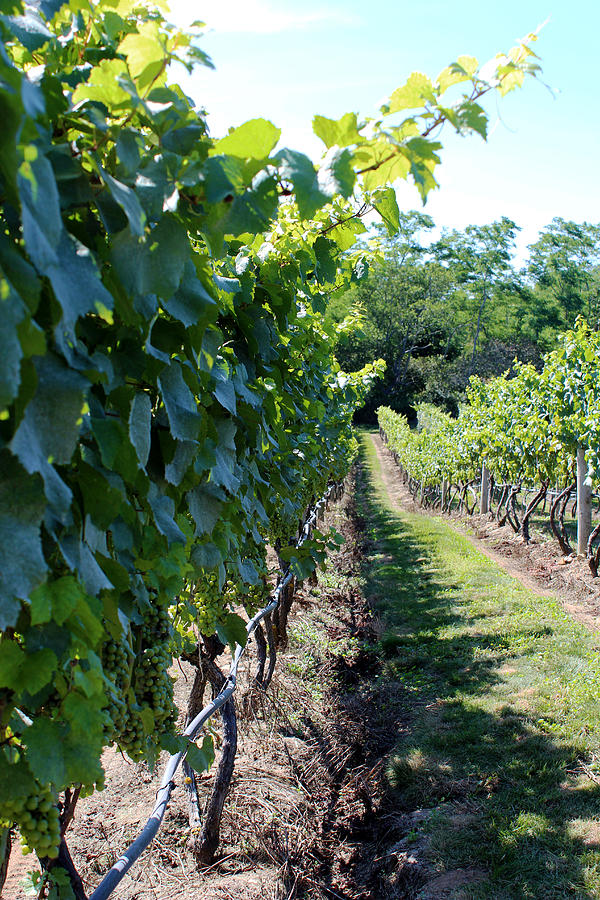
[440,310]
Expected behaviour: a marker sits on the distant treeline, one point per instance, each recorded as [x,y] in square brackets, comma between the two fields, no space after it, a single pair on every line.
[440,311]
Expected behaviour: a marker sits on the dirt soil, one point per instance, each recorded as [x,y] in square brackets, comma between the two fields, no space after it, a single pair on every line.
[539,565]
[307,815]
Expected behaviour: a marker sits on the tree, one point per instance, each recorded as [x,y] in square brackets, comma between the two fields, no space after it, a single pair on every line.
[480,262]
[402,314]
[565,268]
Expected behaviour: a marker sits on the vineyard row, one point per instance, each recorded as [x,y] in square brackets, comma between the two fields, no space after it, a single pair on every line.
[528,433]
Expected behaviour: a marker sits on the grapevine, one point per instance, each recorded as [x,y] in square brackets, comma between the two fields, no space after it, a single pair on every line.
[527,427]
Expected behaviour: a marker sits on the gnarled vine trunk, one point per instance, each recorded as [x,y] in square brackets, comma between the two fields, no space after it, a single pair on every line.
[531,507]
[558,529]
[5,848]
[511,508]
[205,829]
[593,555]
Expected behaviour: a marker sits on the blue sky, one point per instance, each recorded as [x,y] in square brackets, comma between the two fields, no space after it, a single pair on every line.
[288,61]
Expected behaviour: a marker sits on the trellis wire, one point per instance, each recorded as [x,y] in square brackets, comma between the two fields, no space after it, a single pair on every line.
[116,873]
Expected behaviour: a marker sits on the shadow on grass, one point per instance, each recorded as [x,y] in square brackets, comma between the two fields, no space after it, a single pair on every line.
[504,799]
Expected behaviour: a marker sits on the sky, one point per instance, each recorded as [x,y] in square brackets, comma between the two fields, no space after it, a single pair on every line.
[288,61]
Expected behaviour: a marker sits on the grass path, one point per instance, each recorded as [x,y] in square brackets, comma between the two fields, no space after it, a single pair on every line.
[499,722]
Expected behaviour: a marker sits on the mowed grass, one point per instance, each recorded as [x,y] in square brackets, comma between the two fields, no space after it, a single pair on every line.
[499,732]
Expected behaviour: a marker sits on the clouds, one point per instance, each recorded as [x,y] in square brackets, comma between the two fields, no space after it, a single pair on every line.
[255,16]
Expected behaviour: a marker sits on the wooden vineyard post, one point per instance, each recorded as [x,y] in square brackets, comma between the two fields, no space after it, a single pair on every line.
[444,493]
[484,502]
[584,504]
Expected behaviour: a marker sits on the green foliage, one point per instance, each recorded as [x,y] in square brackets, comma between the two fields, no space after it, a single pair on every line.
[170,401]
[564,271]
[526,427]
[404,318]
[438,313]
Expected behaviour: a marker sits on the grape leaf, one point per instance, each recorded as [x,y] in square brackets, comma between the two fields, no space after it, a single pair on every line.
[102,500]
[414,93]
[22,672]
[65,594]
[48,8]
[80,559]
[252,212]
[50,427]
[29,29]
[81,714]
[155,266]
[68,264]
[42,223]
[104,85]
[144,53]
[128,150]
[232,630]
[180,403]
[77,285]
[336,175]
[20,274]
[386,205]
[205,507]
[15,778]
[191,303]
[225,394]
[44,740]
[140,419]
[461,70]
[254,139]
[222,472]
[300,171]
[12,658]
[224,177]
[201,758]
[22,564]
[206,556]
[341,132]
[247,571]
[185,453]
[12,313]
[163,508]
[128,202]
[38,671]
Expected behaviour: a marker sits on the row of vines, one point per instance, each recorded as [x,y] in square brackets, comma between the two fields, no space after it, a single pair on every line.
[169,402]
[527,429]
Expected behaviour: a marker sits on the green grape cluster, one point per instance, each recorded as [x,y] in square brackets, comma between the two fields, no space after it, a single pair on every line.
[252,596]
[37,818]
[208,601]
[153,684]
[157,625]
[116,664]
[256,596]
[140,682]
[281,526]
[131,738]
[86,790]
